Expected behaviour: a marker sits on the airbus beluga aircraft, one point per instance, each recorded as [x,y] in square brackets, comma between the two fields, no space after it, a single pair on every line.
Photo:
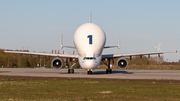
[89,41]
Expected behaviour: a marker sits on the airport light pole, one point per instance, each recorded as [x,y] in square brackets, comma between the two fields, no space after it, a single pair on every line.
[19,62]
[8,62]
[44,62]
[40,62]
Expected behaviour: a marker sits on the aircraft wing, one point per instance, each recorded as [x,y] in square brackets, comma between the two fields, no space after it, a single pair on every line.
[135,54]
[43,54]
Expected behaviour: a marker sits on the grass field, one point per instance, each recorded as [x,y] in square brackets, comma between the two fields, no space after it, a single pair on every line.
[15,88]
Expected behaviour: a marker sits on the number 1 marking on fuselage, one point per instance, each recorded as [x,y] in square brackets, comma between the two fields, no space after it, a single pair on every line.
[90,39]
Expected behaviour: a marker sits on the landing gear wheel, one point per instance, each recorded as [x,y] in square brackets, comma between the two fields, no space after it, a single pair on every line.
[108,71]
[70,70]
[89,72]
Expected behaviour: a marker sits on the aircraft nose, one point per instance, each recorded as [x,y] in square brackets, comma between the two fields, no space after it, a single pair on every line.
[89,64]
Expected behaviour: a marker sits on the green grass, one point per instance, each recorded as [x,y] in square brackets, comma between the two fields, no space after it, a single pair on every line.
[4,71]
[87,90]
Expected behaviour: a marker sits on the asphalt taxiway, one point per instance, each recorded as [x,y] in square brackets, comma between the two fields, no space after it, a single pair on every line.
[97,73]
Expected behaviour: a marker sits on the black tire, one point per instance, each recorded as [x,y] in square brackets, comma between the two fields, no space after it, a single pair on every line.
[90,72]
[68,70]
[72,70]
[110,70]
[106,71]
[87,72]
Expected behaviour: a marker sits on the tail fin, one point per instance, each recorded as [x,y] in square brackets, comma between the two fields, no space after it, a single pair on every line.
[90,20]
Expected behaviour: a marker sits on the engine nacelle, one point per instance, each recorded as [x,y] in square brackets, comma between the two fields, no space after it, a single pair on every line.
[57,63]
[122,63]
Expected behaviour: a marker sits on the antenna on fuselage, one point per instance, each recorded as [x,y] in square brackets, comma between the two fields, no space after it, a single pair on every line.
[90,20]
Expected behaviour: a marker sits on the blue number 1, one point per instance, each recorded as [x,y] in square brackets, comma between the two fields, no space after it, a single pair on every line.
[90,39]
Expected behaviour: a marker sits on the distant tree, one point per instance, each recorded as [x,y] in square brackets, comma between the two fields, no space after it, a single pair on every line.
[159,60]
[136,60]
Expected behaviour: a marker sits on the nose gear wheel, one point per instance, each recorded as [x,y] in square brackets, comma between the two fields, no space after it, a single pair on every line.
[89,71]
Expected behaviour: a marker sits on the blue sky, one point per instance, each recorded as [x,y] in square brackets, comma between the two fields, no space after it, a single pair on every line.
[142,24]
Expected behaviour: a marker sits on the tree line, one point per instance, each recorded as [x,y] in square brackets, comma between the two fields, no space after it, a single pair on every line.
[23,60]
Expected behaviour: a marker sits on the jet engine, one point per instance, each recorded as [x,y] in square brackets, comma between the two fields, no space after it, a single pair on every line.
[122,63]
[57,63]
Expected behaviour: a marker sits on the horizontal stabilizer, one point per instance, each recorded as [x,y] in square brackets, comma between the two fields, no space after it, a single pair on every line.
[110,46]
[118,46]
[63,45]
[68,46]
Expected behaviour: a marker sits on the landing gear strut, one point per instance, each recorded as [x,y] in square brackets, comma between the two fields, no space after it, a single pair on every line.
[70,70]
[108,70]
[89,71]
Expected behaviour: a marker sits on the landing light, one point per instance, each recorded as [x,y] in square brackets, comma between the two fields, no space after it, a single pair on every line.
[122,63]
[89,63]
[57,63]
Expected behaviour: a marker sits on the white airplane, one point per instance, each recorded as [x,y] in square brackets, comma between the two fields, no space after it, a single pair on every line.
[89,41]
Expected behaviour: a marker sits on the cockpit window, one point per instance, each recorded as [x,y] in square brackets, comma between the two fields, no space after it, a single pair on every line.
[89,58]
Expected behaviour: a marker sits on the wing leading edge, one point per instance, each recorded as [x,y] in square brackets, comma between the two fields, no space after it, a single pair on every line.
[134,54]
[44,54]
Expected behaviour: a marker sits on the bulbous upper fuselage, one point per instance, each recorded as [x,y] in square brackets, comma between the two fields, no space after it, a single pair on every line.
[89,40]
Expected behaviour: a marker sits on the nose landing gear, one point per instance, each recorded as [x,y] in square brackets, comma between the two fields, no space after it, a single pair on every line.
[89,71]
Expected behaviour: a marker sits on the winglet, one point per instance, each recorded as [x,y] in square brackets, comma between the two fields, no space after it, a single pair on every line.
[118,42]
[90,20]
[61,41]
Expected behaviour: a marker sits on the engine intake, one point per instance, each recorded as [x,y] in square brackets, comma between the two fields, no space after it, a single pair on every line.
[122,63]
[57,63]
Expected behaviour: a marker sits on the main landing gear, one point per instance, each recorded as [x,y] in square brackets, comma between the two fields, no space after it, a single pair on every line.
[70,70]
[108,70]
[89,71]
